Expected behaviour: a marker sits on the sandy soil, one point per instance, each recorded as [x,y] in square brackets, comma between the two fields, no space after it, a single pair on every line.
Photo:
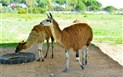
[113,51]
[100,65]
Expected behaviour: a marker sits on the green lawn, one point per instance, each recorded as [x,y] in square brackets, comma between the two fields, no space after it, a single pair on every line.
[16,27]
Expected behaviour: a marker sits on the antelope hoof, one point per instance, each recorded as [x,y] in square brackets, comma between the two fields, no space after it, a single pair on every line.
[38,59]
[65,70]
[86,62]
[52,56]
[42,60]
[82,67]
[45,56]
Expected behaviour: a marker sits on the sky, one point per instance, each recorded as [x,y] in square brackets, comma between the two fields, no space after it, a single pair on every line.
[115,3]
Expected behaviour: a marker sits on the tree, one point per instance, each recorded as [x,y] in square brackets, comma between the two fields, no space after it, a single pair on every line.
[110,9]
[92,4]
[72,3]
[50,5]
[42,3]
[31,3]
[4,2]
[60,1]
[80,6]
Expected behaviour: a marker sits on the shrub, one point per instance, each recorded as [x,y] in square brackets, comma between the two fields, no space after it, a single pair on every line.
[59,9]
[36,10]
[22,11]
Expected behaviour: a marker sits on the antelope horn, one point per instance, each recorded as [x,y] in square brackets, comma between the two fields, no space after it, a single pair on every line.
[50,15]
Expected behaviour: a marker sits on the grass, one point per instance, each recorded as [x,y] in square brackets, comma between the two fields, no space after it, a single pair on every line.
[4,45]
[16,27]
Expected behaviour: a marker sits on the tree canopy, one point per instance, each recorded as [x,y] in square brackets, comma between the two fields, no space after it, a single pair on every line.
[110,9]
[92,4]
[71,5]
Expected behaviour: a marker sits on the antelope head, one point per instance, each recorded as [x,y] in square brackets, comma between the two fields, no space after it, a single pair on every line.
[48,20]
[20,46]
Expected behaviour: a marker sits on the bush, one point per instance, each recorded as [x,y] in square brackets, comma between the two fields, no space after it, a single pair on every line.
[22,11]
[42,10]
[36,10]
[5,9]
[59,9]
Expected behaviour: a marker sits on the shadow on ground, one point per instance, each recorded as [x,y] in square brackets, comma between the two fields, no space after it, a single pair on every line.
[14,44]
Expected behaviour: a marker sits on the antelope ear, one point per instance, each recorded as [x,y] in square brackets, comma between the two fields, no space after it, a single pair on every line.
[51,15]
[22,41]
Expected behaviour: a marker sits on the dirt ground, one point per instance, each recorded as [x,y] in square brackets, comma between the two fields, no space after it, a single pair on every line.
[100,65]
[113,51]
